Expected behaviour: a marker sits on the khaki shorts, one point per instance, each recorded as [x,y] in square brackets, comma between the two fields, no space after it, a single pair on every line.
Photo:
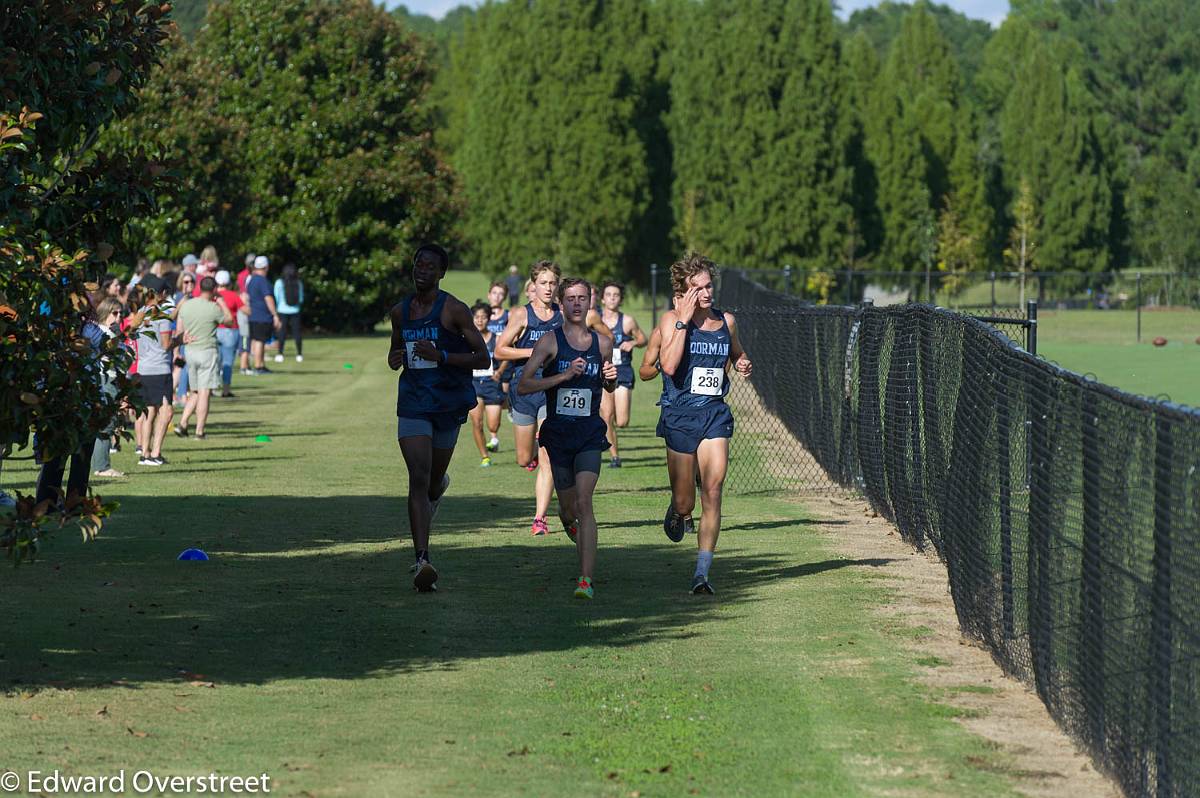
[204,369]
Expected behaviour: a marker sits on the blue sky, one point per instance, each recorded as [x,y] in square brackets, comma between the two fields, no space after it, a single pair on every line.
[991,10]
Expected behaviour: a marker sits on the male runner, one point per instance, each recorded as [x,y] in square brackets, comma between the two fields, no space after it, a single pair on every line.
[488,395]
[574,363]
[614,407]
[698,345]
[497,321]
[526,326]
[435,341]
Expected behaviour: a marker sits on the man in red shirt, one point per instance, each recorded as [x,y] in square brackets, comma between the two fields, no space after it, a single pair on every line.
[228,337]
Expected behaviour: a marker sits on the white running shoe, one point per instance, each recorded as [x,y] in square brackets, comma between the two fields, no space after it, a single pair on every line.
[299,358]
[279,358]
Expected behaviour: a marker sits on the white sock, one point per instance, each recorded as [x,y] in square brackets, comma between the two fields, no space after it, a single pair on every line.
[703,563]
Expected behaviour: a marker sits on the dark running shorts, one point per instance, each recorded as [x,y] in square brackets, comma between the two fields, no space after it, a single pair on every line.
[573,446]
[489,391]
[156,389]
[684,428]
[261,331]
[625,378]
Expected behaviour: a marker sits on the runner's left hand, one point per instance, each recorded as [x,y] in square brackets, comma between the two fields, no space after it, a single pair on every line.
[609,371]
[743,366]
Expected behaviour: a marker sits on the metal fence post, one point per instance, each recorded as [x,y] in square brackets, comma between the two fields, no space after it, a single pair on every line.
[1161,631]
[1004,472]
[787,279]
[849,289]
[1139,307]
[1031,334]
[993,274]
[653,295]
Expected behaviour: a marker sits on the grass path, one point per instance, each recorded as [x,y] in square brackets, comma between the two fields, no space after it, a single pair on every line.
[333,677]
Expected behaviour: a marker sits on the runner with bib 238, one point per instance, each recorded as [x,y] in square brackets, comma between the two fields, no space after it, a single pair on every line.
[698,345]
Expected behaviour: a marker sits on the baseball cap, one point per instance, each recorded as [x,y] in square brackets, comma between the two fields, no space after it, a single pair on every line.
[152,283]
[190,260]
[222,277]
[261,262]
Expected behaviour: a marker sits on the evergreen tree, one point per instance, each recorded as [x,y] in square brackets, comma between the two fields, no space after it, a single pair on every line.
[862,71]
[761,132]
[552,157]
[1048,129]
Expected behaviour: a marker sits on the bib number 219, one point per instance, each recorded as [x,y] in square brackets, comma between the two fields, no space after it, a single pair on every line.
[574,402]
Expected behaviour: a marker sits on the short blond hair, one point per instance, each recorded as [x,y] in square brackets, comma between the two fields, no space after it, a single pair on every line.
[691,265]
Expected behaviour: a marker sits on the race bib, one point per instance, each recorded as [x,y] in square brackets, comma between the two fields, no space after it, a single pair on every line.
[618,356]
[707,381]
[415,361]
[574,402]
[487,372]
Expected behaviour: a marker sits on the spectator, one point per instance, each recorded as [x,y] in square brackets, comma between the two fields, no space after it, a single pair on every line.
[198,320]
[139,271]
[154,370]
[108,316]
[190,262]
[289,297]
[50,478]
[227,333]
[243,318]
[514,281]
[185,286]
[264,319]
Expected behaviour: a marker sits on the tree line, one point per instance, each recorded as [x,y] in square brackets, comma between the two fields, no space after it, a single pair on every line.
[609,134]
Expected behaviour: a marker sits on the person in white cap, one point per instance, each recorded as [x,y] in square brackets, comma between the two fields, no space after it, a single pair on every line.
[264,318]
[228,337]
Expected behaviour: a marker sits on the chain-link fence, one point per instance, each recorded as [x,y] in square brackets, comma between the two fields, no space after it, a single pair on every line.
[1067,512]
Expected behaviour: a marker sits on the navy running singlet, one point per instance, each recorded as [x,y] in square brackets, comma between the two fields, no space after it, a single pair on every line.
[428,388]
[700,379]
[579,397]
[535,328]
[497,325]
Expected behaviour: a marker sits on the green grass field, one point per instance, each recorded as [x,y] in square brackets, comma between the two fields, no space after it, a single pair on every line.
[301,651]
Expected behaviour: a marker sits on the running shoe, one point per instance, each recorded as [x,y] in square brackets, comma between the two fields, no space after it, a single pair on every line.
[299,358]
[493,445]
[673,524]
[702,587]
[152,461]
[689,525]
[615,462]
[279,358]
[137,450]
[583,588]
[425,576]
[572,530]
[434,504]
[181,430]
[539,527]
[532,465]
[485,462]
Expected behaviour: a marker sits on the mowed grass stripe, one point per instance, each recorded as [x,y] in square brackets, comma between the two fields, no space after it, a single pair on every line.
[335,678]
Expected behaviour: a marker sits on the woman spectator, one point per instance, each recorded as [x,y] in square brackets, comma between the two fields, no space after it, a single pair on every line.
[228,336]
[185,287]
[108,317]
[289,297]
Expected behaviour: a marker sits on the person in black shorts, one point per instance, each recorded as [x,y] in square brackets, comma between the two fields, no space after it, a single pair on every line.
[437,345]
[488,393]
[698,346]
[627,334]
[575,365]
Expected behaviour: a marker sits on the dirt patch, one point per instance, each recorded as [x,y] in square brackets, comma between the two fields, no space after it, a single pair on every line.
[1038,757]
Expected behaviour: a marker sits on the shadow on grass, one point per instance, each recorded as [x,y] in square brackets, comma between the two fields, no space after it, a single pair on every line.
[319,588]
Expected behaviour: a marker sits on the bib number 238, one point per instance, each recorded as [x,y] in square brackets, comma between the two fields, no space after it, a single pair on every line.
[708,381]
[574,402]
[415,361]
